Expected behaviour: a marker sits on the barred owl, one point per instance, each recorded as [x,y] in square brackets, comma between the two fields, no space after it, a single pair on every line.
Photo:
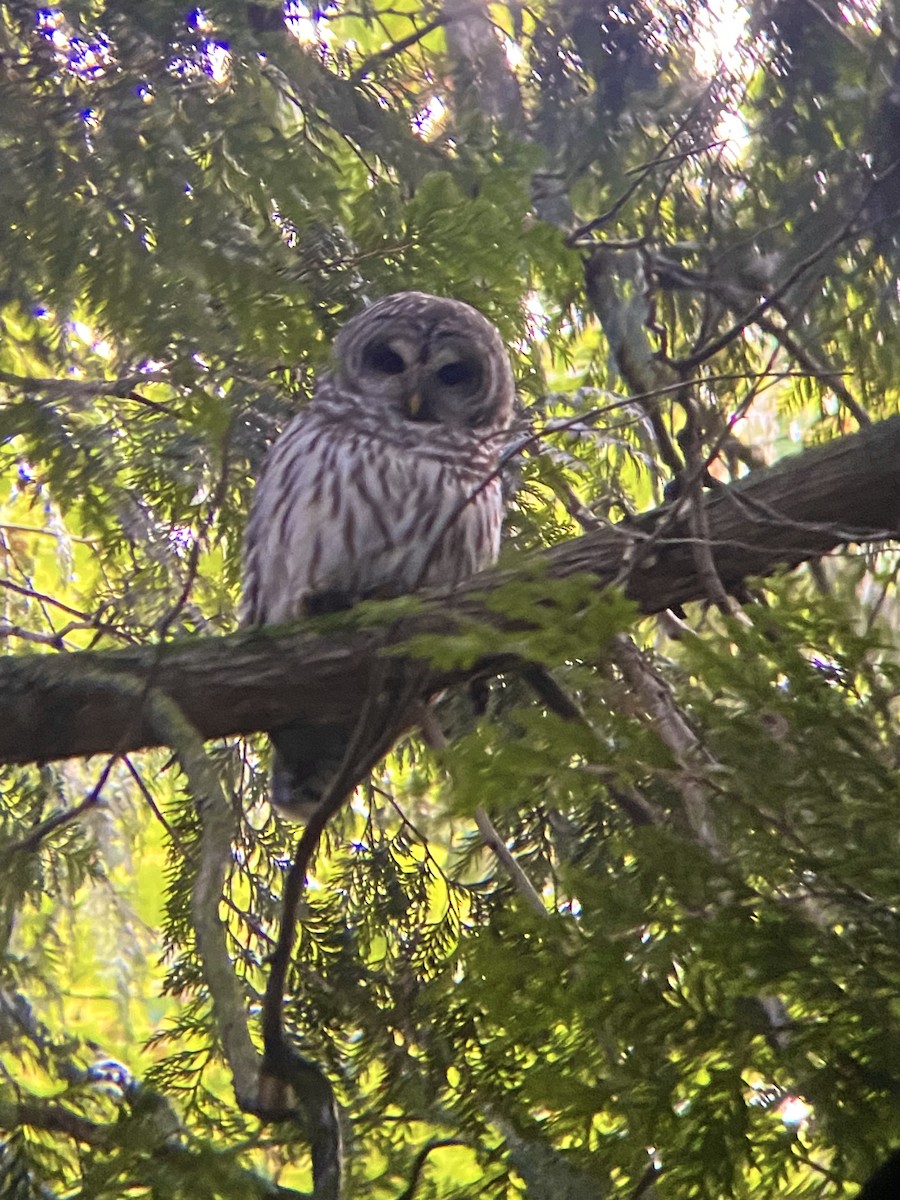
[386,483]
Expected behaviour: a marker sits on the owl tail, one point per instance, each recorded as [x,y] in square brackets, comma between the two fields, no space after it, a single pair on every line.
[306,760]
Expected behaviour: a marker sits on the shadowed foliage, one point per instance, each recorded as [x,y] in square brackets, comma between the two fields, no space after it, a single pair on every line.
[623,921]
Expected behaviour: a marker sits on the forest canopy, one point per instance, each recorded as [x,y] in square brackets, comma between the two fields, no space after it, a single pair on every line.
[622,921]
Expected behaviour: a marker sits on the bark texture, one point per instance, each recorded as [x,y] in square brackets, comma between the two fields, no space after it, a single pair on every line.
[63,705]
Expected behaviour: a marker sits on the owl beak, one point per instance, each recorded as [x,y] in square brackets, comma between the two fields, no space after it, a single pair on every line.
[414,403]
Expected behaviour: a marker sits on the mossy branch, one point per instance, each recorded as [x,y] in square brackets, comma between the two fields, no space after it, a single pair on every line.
[62,705]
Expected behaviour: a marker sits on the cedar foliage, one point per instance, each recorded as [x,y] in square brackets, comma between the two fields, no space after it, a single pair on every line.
[695,264]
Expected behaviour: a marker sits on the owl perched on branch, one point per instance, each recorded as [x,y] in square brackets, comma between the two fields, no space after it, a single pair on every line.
[388,482]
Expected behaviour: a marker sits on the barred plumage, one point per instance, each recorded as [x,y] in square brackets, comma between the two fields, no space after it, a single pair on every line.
[386,484]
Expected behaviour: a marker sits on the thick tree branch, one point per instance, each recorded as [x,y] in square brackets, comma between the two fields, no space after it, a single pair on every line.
[55,706]
[483,78]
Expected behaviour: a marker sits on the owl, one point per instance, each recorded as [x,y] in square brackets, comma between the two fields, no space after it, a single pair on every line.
[386,483]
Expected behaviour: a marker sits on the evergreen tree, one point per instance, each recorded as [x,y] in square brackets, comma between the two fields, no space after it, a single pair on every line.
[628,927]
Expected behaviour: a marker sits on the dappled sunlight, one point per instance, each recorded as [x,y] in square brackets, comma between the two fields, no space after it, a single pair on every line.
[616,908]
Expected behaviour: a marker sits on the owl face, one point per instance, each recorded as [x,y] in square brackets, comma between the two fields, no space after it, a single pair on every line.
[430,359]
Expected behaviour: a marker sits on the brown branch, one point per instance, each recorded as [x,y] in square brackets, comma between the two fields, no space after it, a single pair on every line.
[59,534]
[66,816]
[55,706]
[87,389]
[374,61]
[54,1118]
[675,732]
[290,1085]
[483,80]
[420,1160]
[735,298]
[580,237]
[776,293]
[492,838]
[42,598]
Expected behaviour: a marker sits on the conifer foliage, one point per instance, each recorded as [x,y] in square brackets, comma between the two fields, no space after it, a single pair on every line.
[626,923]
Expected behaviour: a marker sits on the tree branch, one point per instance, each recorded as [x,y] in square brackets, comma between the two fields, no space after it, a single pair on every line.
[56,706]
[217,824]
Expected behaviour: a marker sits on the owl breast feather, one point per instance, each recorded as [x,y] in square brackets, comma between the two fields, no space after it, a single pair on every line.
[359,512]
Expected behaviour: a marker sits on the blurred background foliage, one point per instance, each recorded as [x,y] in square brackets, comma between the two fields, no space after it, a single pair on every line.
[683,218]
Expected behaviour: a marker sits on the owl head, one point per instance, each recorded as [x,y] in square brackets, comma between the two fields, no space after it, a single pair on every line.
[430,359]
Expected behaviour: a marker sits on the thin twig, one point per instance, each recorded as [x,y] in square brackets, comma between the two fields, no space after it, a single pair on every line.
[495,843]
[65,817]
[775,294]
[42,598]
[122,389]
[388,52]
[56,640]
[420,1160]
[152,805]
[675,732]
[54,533]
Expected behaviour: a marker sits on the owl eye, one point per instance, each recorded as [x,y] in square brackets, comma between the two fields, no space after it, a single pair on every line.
[382,358]
[460,373]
